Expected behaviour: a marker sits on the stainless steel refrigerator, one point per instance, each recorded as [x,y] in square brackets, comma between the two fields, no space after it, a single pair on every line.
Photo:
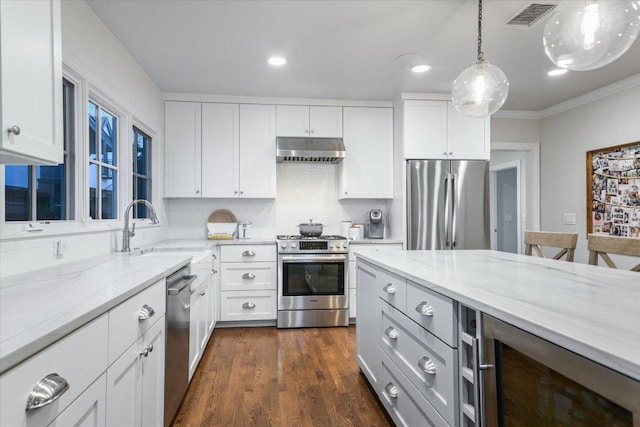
[448,204]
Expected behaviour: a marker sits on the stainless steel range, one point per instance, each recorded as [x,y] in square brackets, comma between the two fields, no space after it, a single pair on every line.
[313,289]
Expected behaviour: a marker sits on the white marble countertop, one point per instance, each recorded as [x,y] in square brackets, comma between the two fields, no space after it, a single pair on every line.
[192,245]
[375,242]
[591,310]
[38,308]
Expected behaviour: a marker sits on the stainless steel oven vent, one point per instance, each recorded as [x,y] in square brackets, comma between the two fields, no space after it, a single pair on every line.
[316,150]
[531,14]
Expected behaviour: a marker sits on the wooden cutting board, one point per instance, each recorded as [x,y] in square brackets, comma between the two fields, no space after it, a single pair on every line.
[222,215]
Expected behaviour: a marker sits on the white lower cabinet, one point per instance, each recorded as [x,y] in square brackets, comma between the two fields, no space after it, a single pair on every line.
[403,348]
[135,382]
[88,410]
[248,283]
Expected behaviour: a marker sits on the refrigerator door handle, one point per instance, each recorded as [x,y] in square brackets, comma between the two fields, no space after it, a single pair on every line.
[454,203]
[447,207]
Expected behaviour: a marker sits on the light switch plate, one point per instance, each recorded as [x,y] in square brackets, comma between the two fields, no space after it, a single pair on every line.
[569,219]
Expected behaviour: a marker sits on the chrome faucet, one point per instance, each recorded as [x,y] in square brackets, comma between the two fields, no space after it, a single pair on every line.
[128,234]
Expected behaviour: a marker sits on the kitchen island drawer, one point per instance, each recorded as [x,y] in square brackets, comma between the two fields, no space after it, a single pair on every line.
[248,305]
[248,253]
[434,312]
[406,406]
[427,362]
[129,320]
[243,276]
[392,289]
[78,359]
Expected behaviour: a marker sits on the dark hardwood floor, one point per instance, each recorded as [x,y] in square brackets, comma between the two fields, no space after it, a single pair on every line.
[280,377]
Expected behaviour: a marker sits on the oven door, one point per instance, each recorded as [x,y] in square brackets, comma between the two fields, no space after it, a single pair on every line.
[530,381]
[314,282]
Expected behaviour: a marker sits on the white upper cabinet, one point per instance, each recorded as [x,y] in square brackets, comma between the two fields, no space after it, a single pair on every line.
[367,169]
[220,149]
[182,149]
[309,121]
[31,82]
[257,165]
[435,130]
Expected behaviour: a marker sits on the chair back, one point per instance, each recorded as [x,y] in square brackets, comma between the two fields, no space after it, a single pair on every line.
[535,240]
[603,245]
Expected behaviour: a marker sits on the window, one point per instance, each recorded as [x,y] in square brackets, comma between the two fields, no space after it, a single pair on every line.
[103,170]
[141,168]
[45,193]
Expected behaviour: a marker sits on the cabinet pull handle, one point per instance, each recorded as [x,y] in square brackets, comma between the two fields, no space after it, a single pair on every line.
[197,191]
[145,351]
[214,256]
[202,293]
[427,366]
[248,253]
[391,390]
[391,332]
[48,390]
[424,308]
[313,131]
[214,271]
[249,276]
[390,289]
[15,129]
[478,383]
[146,312]
[248,305]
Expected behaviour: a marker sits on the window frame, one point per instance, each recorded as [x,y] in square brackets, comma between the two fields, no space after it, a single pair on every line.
[135,174]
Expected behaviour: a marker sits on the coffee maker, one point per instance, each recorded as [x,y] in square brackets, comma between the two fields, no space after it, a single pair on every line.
[376,224]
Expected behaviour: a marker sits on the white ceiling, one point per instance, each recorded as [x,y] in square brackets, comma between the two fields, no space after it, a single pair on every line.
[341,49]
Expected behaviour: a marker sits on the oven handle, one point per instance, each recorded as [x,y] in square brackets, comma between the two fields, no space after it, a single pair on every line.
[314,258]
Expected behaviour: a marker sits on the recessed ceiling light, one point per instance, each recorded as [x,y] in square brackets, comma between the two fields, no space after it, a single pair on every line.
[277,61]
[420,68]
[557,72]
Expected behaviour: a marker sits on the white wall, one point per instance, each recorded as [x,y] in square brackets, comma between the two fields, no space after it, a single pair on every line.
[565,139]
[92,51]
[304,191]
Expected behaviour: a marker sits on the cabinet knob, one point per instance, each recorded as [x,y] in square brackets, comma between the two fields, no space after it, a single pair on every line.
[146,312]
[214,271]
[313,131]
[241,192]
[197,191]
[450,153]
[391,390]
[445,153]
[235,191]
[425,309]
[15,129]
[306,131]
[48,390]
[427,366]
[202,294]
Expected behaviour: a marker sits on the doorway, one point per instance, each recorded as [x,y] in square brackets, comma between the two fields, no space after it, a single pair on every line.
[505,207]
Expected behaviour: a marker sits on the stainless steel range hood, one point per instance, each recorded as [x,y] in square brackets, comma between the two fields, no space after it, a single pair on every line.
[325,150]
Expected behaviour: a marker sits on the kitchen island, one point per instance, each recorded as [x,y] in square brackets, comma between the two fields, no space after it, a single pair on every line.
[589,310]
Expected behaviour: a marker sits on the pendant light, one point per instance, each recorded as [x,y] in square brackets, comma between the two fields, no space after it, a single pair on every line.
[591,34]
[481,89]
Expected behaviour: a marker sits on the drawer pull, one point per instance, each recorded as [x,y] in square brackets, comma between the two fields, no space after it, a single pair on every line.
[391,390]
[214,271]
[391,332]
[48,390]
[146,312]
[390,289]
[425,309]
[248,305]
[249,276]
[145,351]
[202,293]
[427,366]
[248,253]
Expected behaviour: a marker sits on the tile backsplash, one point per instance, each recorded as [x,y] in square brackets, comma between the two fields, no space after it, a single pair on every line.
[304,191]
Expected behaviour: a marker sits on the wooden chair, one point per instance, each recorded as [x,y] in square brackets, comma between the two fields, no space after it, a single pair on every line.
[536,239]
[601,245]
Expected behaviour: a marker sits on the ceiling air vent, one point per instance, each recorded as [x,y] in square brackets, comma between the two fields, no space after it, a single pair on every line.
[531,14]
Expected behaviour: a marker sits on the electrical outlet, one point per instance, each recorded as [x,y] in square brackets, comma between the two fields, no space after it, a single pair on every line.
[59,248]
[569,219]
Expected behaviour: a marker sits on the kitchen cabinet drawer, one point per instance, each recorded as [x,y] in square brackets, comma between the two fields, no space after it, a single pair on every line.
[79,358]
[434,312]
[88,410]
[243,276]
[248,305]
[127,321]
[427,362]
[402,401]
[392,289]
[248,253]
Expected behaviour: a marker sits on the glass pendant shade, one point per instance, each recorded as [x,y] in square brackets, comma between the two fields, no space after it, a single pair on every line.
[480,90]
[591,34]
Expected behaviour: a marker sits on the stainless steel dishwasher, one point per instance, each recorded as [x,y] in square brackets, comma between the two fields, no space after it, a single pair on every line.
[177,349]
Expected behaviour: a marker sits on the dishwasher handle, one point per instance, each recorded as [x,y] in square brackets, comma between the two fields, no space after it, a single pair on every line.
[180,285]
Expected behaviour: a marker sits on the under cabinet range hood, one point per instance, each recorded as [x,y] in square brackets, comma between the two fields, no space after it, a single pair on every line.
[325,150]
